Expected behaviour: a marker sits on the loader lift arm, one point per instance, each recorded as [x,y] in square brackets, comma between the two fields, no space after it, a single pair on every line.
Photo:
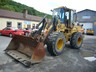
[44,26]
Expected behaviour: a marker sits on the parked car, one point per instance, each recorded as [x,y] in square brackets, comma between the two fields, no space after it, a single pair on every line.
[27,31]
[11,31]
[90,31]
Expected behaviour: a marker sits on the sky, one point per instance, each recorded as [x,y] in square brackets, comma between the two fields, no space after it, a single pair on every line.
[47,5]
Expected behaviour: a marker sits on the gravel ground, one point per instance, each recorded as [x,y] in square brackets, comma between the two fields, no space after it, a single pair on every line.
[72,60]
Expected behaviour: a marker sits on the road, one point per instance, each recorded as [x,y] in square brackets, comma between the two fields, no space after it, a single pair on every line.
[72,60]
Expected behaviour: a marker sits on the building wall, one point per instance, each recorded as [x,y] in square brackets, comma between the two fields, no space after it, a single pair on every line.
[3,22]
[94,27]
[86,16]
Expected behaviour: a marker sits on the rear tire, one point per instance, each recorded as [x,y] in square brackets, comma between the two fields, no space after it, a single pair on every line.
[56,43]
[76,40]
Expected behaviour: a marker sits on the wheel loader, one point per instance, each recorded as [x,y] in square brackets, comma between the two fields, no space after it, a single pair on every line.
[31,50]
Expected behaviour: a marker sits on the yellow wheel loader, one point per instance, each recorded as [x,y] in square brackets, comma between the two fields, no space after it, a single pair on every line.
[29,50]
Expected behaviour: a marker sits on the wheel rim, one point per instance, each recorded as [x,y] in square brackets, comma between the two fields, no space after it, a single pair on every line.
[79,41]
[26,34]
[10,35]
[60,44]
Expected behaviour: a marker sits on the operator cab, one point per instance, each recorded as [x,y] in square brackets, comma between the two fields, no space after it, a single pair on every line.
[65,15]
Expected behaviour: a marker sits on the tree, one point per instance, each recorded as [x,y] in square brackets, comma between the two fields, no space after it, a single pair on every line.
[18,7]
[8,7]
[4,2]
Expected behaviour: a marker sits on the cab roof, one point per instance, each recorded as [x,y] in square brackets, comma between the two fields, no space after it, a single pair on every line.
[64,7]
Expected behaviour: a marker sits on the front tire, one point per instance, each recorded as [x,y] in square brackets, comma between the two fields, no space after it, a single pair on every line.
[76,40]
[56,43]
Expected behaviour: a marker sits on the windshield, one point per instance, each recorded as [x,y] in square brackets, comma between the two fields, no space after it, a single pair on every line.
[59,13]
[13,28]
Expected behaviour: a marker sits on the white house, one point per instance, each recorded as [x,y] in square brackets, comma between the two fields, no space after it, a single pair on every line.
[16,19]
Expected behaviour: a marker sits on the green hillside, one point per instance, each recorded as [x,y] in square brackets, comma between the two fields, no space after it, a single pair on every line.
[18,7]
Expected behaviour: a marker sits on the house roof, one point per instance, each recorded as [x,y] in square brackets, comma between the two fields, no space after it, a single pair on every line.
[17,15]
[86,10]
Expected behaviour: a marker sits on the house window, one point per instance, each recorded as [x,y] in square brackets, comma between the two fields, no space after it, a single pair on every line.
[86,17]
[19,25]
[9,24]
[28,26]
[33,26]
[37,26]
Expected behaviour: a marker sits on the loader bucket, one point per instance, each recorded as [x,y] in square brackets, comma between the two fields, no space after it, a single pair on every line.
[27,50]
